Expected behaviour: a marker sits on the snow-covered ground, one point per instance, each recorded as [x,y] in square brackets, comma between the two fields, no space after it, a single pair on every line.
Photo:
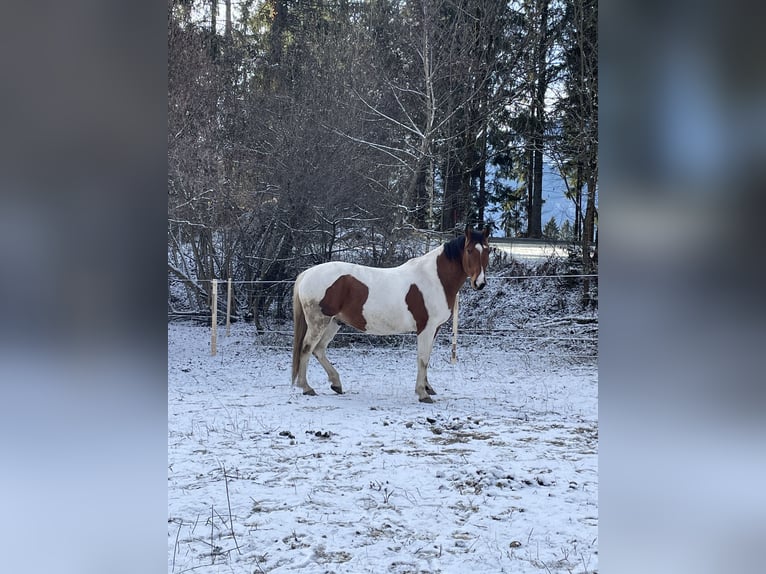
[500,474]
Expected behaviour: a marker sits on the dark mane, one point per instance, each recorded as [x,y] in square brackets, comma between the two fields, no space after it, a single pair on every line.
[454,248]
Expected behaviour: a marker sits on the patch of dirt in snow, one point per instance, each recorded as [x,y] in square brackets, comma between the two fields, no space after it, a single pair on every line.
[499,473]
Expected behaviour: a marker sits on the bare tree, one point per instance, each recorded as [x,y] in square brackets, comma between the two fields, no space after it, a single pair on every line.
[301,132]
[576,138]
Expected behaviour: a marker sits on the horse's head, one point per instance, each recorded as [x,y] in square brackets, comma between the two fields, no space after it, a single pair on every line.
[476,256]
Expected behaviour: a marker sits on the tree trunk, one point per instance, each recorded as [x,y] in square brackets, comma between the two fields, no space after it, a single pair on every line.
[540,86]
[213,29]
[482,199]
[450,203]
[578,203]
[228,19]
[588,235]
[457,184]
[536,205]
[529,157]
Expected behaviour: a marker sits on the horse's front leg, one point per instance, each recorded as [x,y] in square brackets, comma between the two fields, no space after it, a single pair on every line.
[429,388]
[425,344]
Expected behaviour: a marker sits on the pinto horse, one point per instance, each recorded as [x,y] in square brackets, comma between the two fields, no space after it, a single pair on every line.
[418,296]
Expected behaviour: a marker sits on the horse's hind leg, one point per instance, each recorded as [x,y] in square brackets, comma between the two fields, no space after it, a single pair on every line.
[316,327]
[321,355]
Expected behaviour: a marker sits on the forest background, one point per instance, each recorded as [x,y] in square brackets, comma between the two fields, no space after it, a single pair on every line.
[305,131]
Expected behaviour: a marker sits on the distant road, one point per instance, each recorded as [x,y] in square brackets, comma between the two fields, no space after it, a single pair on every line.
[522,248]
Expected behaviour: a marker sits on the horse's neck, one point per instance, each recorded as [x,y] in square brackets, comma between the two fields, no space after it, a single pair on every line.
[452,276]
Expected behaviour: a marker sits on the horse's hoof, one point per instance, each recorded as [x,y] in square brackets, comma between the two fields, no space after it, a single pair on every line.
[338,390]
[430,391]
[426,399]
[310,392]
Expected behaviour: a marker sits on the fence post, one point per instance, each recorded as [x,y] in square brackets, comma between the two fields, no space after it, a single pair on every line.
[214,320]
[228,309]
[453,359]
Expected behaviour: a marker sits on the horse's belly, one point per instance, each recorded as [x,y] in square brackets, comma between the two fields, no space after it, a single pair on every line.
[389,321]
[391,310]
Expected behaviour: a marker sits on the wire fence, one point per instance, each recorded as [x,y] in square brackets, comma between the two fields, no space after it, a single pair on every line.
[569,338]
[291,281]
[563,348]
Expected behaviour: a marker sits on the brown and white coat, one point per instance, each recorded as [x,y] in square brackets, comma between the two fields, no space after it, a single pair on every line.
[417,296]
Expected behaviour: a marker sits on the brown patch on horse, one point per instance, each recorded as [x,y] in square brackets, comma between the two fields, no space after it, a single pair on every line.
[345,300]
[451,275]
[417,307]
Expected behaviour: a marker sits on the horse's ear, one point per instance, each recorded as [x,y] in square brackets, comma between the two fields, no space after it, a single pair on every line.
[468,231]
[486,231]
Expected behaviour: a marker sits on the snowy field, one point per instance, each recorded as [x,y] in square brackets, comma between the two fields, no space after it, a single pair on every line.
[500,474]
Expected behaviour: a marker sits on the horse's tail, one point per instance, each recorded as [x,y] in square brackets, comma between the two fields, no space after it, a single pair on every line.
[299,329]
